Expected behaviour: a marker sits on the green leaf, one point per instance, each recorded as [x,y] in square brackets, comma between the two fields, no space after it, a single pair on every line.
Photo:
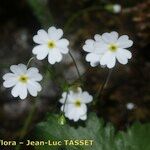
[41,11]
[104,136]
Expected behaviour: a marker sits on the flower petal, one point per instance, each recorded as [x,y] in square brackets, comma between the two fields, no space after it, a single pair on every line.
[41,51]
[55,34]
[74,95]
[15,90]
[34,74]
[97,38]
[8,76]
[37,39]
[19,90]
[54,56]
[110,37]
[86,97]
[74,113]
[18,69]
[123,56]
[34,88]
[84,117]
[114,34]
[124,41]
[89,45]
[9,82]
[41,37]
[62,100]
[108,59]
[100,48]
[62,45]
[32,70]
[127,53]
[94,59]
[23,92]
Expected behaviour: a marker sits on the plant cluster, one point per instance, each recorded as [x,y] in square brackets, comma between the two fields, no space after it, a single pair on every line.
[104,50]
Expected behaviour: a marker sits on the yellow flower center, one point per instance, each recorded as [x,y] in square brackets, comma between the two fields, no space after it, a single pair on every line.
[23,78]
[113,47]
[77,103]
[51,44]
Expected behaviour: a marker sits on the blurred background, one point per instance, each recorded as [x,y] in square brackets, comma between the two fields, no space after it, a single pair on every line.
[127,96]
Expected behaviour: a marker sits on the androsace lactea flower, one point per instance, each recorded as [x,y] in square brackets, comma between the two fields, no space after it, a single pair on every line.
[50,44]
[23,80]
[74,106]
[130,106]
[116,8]
[107,48]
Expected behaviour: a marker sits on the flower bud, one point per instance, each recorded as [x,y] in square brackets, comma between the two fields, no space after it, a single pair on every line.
[116,8]
[62,120]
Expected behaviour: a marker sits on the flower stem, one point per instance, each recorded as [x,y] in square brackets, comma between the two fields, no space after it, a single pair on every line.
[26,124]
[78,72]
[65,101]
[101,88]
[79,14]
[42,12]
[29,61]
[80,78]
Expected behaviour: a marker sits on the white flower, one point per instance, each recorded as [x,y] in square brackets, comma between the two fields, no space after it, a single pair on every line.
[130,106]
[108,48]
[75,107]
[94,55]
[116,8]
[50,44]
[23,80]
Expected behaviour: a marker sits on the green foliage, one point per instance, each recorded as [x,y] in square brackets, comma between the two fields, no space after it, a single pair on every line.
[41,11]
[104,136]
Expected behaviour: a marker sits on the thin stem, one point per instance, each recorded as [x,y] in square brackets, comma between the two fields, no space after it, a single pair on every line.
[75,66]
[101,88]
[28,121]
[26,125]
[65,101]
[82,76]
[68,92]
[79,13]
[30,61]
[41,11]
